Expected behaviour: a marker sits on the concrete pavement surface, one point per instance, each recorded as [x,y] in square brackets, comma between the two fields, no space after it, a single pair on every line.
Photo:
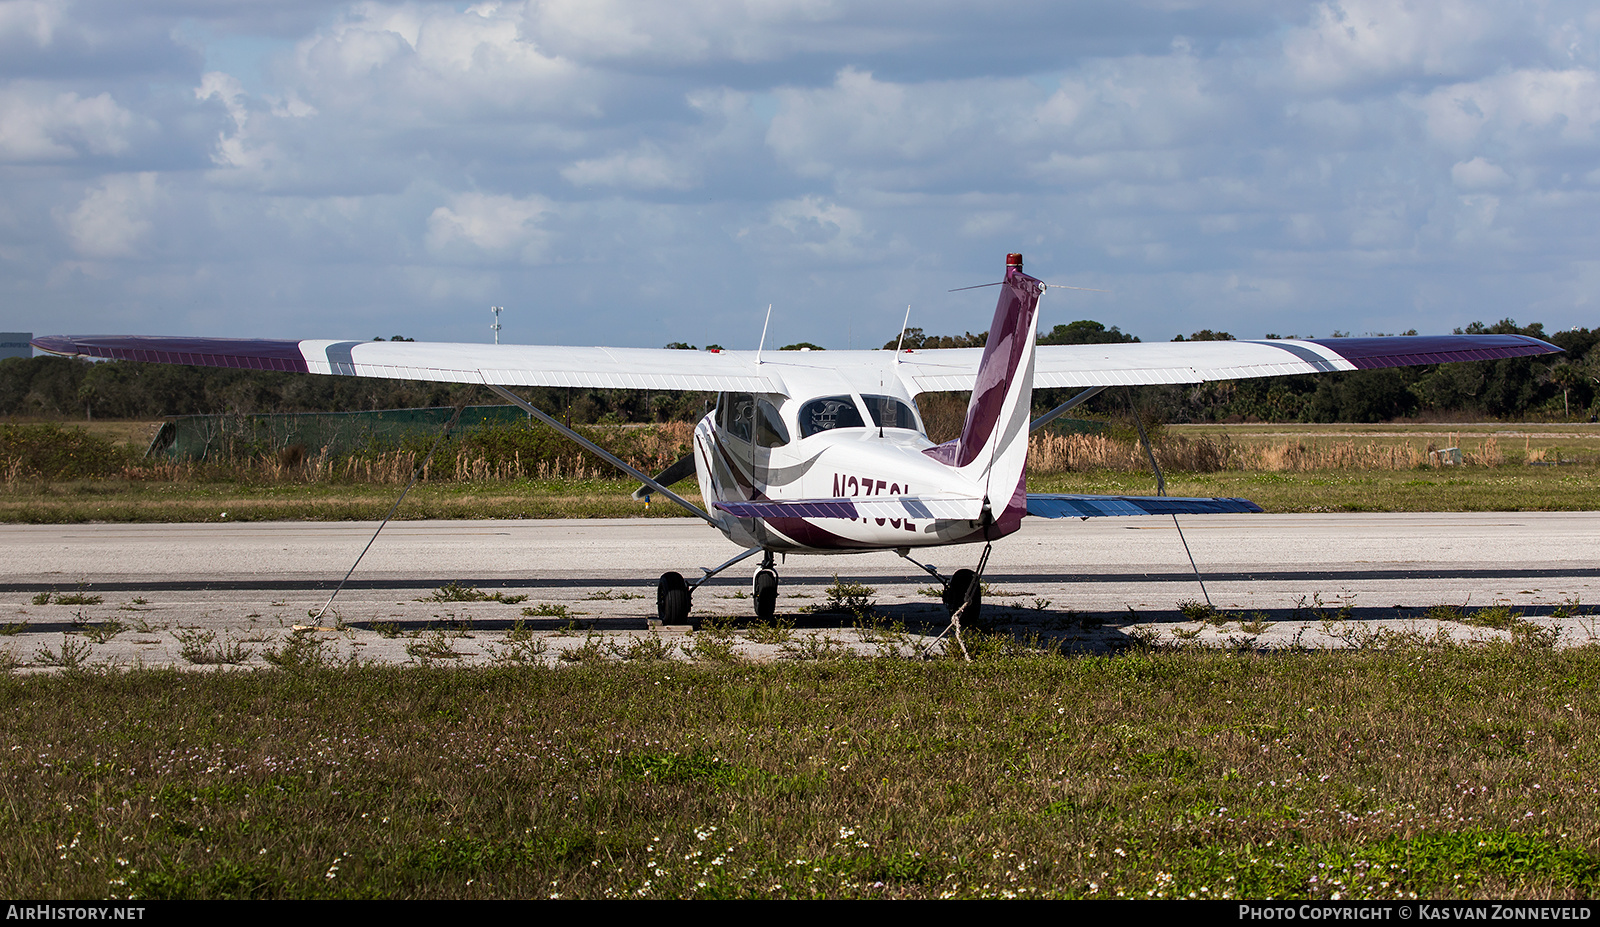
[1092,583]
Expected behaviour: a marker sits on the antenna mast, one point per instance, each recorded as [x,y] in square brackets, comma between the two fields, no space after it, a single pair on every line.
[496,324]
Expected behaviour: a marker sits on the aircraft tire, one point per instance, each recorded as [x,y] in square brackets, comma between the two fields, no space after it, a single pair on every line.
[956,592]
[764,590]
[672,599]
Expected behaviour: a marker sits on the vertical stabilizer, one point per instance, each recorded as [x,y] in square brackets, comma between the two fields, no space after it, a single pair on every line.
[993,447]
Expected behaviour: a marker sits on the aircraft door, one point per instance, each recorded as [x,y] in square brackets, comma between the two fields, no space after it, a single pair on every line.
[750,427]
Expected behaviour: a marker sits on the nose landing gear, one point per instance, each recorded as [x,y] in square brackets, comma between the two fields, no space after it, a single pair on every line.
[764,589]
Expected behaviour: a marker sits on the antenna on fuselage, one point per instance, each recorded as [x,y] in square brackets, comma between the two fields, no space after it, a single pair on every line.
[902,341]
[764,325]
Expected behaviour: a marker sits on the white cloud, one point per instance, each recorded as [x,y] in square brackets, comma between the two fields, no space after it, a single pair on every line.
[416,64]
[691,31]
[1479,174]
[37,125]
[816,227]
[478,225]
[900,132]
[645,168]
[112,219]
[33,21]
[1562,105]
[1356,42]
[837,150]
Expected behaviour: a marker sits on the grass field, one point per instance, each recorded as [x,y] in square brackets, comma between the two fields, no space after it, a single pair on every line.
[1400,769]
[1284,468]
[1439,772]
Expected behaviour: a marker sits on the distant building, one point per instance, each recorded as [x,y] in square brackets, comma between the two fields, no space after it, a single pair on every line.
[15,344]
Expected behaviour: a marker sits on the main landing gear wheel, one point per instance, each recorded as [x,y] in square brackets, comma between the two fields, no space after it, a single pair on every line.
[672,599]
[764,589]
[955,592]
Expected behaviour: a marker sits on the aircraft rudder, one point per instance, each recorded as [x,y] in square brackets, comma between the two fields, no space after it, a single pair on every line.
[995,432]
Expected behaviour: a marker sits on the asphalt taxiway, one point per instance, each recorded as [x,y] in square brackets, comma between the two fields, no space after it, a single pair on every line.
[264,578]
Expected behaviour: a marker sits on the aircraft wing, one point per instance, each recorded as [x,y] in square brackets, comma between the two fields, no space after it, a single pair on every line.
[499,364]
[1069,505]
[950,369]
[1134,364]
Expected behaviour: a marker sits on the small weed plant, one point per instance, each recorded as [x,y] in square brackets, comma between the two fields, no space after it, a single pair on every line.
[73,654]
[649,647]
[548,610]
[432,647]
[593,650]
[712,648]
[454,592]
[300,651]
[102,631]
[845,598]
[776,631]
[519,647]
[200,646]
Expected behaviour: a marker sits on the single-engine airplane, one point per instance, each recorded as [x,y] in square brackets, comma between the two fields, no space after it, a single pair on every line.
[824,452]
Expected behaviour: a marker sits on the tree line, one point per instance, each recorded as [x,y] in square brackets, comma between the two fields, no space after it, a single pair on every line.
[1564,387]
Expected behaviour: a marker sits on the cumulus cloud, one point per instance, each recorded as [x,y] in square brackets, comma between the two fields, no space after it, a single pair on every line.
[426,152]
[697,31]
[478,225]
[815,227]
[1479,174]
[38,125]
[30,21]
[646,168]
[420,65]
[1553,106]
[1364,43]
[112,221]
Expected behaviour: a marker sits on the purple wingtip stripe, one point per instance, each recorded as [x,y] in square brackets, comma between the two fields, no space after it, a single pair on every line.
[1371,353]
[237,353]
[809,509]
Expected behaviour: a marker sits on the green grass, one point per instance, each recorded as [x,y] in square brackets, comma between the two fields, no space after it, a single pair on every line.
[131,501]
[1503,489]
[1563,439]
[1441,772]
[1507,488]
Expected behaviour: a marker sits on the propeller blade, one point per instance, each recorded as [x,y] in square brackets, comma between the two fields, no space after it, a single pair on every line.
[680,470]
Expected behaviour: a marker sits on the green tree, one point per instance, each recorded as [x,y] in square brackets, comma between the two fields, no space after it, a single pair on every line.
[915,340]
[1086,331]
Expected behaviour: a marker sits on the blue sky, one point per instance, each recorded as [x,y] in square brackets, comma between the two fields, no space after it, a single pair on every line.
[636,173]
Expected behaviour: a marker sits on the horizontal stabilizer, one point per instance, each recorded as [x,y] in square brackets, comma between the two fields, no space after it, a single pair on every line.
[1069,505]
[944,508]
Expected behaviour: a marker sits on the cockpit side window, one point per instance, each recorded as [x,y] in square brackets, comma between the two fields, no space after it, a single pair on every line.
[733,414]
[889,412]
[829,413]
[740,415]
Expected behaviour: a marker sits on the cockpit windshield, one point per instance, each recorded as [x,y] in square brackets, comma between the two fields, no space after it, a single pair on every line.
[829,413]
